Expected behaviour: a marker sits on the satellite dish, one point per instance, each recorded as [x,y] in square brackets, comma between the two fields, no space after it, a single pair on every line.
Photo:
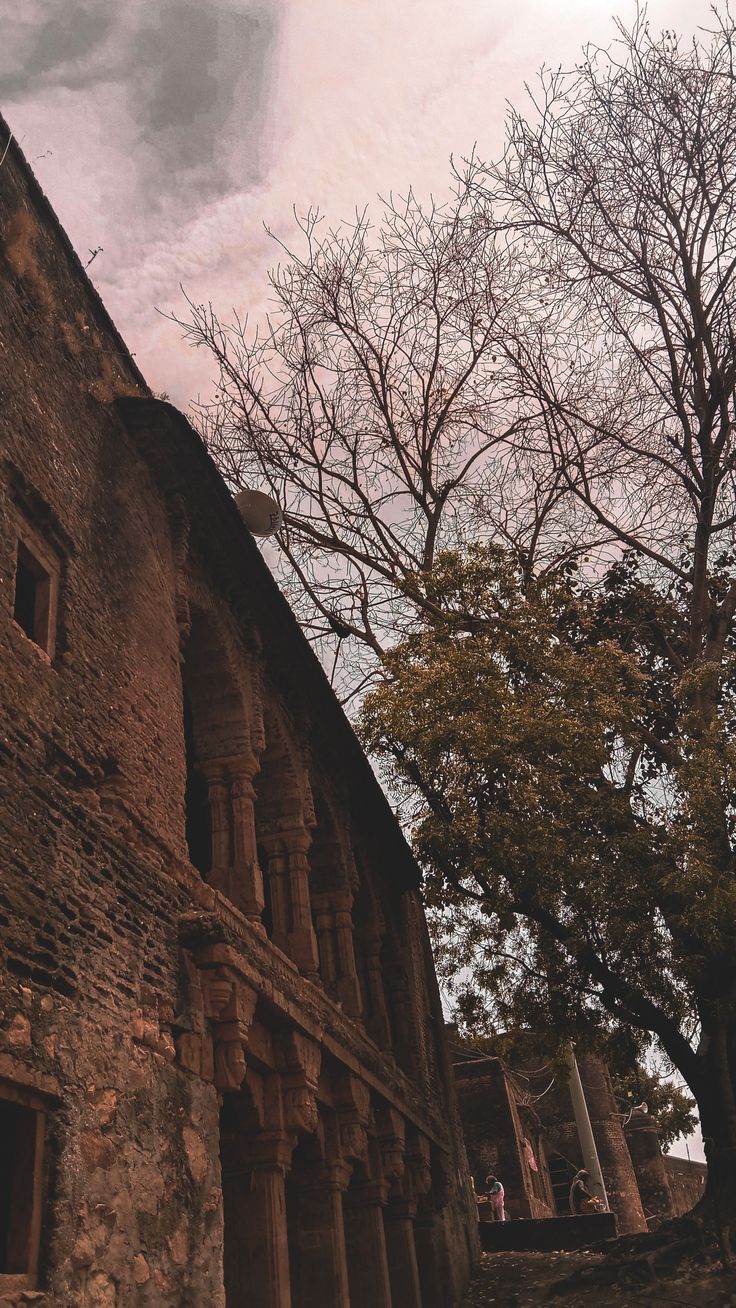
[259,512]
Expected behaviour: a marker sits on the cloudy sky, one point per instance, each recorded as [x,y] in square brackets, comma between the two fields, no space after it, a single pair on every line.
[168,131]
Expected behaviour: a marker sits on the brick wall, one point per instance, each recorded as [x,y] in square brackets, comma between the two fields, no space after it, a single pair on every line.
[94,872]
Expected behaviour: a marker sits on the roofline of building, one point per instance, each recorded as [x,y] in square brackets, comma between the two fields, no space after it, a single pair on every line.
[140,411]
[10,150]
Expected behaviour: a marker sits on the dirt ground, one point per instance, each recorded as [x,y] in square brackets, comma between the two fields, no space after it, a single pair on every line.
[523,1280]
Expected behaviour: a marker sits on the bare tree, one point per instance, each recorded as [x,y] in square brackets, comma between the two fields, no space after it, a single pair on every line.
[378,407]
[621,193]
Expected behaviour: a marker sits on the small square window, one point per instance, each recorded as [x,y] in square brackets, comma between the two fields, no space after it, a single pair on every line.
[34,607]
[21,1170]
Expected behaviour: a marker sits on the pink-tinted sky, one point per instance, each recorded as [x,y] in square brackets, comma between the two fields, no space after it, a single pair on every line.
[168,131]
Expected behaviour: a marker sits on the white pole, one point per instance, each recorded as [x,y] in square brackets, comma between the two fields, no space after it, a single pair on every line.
[585,1130]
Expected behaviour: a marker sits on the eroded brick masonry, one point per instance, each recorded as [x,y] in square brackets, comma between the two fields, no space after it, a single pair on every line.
[223,1073]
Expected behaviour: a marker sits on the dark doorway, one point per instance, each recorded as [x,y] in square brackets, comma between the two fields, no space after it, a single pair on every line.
[18,1180]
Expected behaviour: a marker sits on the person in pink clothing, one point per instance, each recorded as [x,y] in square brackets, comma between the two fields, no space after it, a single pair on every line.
[495,1196]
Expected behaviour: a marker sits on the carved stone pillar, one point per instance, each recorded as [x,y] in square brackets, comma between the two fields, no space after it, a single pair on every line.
[365,1240]
[348,988]
[256,1254]
[428,1263]
[377,1023]
[404,1042]
[319,1258]
[402,1254]
[336,950]
[247,880]
[301,942]
[218,795]
[324,916]
[418,1185]
[277,872]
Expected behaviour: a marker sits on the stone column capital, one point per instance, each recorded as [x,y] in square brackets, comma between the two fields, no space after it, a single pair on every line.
[369,1194]
[296,839]
[270,1151]
[337,1174]
[243,767]
[401,1209]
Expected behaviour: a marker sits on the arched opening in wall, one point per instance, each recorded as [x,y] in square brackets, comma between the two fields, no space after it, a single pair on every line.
[281,825]
[398,1001]
[362,920]
[365,1241]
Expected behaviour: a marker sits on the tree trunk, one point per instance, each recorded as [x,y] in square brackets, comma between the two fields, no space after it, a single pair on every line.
[716,1100]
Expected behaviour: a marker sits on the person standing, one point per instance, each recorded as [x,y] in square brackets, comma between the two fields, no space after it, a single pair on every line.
[495,1195]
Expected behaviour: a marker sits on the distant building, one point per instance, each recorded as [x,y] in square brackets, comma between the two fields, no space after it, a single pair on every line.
[521,1125]
[224,1080]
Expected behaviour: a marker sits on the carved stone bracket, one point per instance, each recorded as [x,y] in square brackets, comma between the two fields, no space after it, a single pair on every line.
[214,1027]
[353,1104]
[269,1150]
[230,1005]
[418,1157]
[299,1060]
[391,1134]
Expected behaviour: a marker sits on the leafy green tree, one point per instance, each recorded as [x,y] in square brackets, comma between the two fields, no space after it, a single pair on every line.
[670,1107]
[573,821]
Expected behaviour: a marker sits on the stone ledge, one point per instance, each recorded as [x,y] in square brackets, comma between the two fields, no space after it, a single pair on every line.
[544,1234]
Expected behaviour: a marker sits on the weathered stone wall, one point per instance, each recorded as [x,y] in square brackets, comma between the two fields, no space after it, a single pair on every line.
[650,1168]
[687,1182]
[97,890]
[91,779]
[495,1137]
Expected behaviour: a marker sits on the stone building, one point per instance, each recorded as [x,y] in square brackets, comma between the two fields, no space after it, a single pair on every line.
[522,1126]
[669,1186]
[224,1080]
